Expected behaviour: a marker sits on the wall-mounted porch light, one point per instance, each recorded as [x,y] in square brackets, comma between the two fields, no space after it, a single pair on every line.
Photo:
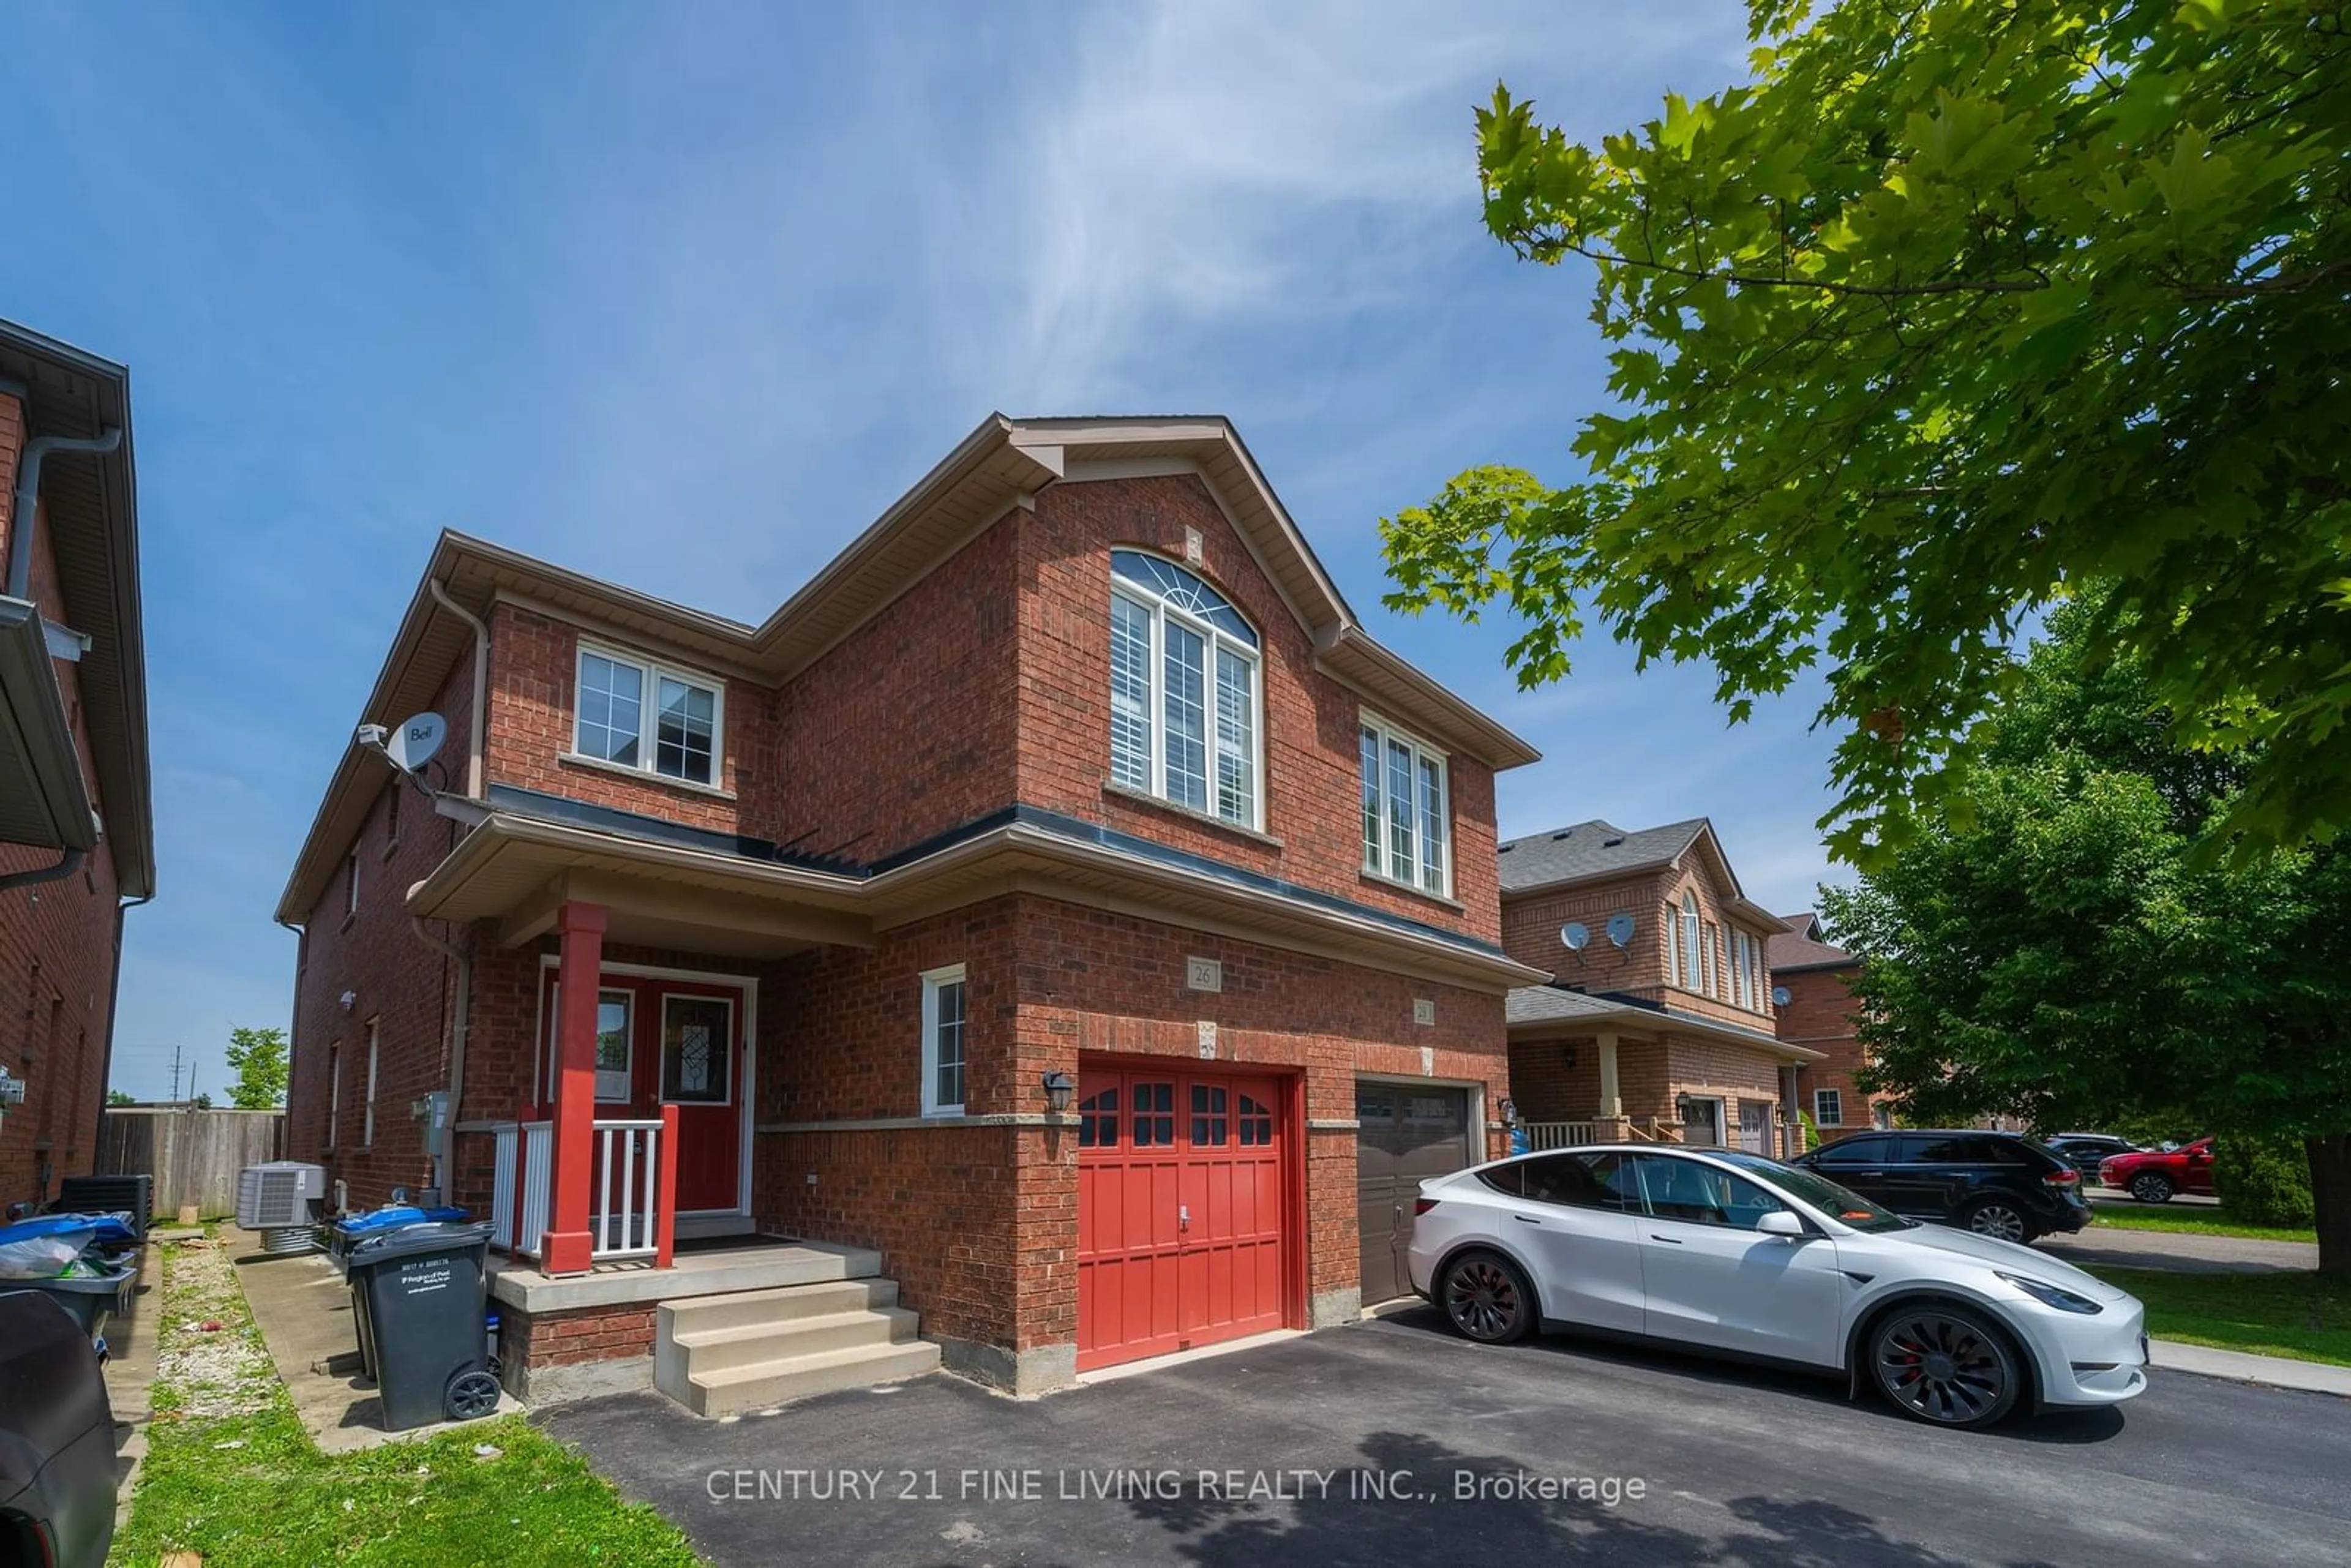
[1682,1104]
[1059,1086]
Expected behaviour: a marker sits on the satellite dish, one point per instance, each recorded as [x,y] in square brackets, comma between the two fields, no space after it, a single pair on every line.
[1779,996]
[1576,935]
[1620,929]
[414,743]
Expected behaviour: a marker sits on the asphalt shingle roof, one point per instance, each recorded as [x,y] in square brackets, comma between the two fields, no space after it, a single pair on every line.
[1800,948]
[1592,849]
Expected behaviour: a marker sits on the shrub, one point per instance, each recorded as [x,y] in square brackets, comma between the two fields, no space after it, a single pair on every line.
[2262,1181]
[1811,1130]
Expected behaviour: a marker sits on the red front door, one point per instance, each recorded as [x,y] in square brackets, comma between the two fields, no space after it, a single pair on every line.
[668,1042]
[1181,1230]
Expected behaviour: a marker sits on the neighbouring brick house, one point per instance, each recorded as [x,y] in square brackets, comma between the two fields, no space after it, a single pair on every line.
[1059,904]
[1818,1014]
[1657,1020]
[77,824]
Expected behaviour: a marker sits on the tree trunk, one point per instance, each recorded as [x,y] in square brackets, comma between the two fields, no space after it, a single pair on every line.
[2330,1192]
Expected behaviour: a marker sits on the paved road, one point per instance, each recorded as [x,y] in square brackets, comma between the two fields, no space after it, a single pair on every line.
[2182,1251]
[1738,1466]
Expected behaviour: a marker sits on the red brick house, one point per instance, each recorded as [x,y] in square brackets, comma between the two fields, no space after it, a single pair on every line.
[1656,1020]
[1059,918]
[1818,1014]
[77,824]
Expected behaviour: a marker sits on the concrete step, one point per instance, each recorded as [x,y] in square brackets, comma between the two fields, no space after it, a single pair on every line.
[762,1384]
[701,1314]
[718,1350]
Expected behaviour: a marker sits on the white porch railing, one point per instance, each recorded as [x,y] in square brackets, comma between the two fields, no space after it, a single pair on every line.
[627,1193]
[520,1184]
[624,1218]
[1561,1134]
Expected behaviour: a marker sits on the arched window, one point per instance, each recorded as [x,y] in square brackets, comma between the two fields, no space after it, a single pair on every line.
[1185,696]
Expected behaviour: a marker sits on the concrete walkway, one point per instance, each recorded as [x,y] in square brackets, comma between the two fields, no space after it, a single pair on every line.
[2182,1252]
[303,1309]
[2270,1370]
[131,1345]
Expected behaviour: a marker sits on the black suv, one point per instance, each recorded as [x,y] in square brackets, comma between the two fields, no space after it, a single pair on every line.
[1995,1184]
[2086,1152]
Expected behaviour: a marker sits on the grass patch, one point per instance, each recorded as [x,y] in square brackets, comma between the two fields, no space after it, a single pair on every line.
[2189,1222]
[2296,1313]
[231,1475]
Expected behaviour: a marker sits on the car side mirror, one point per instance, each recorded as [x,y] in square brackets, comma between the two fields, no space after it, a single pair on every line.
[1780,1223]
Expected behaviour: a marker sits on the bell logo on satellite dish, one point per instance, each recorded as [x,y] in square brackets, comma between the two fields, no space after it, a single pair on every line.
[414,743]
[1575,935]
[1620,929]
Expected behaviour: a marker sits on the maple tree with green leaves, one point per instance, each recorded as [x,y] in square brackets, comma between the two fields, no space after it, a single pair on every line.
[1958,307]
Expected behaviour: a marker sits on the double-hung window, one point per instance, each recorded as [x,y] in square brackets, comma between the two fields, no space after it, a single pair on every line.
[1185,691]
[1407,819]
[634,712]
[942,1041]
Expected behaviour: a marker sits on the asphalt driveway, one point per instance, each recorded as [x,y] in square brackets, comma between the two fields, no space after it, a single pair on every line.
[1733,1464]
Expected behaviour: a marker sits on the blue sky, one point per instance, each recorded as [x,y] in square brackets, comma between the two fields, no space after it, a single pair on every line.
[683,297]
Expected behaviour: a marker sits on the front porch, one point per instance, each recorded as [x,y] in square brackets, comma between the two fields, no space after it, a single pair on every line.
[1610,1069]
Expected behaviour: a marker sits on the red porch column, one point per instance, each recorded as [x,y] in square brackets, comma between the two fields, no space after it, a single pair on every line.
[578,973]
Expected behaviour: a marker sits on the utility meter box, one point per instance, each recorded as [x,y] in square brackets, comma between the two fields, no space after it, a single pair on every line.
[432,1114]
[12,1090]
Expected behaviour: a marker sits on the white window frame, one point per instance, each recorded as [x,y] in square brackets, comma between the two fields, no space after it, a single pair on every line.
[650,673]
[334,1089]
[1376,865]
[1741,984]
[367,1119]
[1822,1097]
[1707,931]
[1216,639]
[351,882]
[1689,932]
[934,981]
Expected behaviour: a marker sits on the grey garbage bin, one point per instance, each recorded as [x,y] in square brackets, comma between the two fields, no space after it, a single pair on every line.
[421,1298]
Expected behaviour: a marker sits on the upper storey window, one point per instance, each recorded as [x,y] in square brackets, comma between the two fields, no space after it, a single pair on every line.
[636,713]
[1186,695]
[1407,822]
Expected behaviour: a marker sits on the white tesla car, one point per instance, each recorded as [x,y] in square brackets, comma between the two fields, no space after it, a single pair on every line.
[1735,1254]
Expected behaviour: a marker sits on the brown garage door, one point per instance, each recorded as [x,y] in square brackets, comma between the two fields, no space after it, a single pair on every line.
[1407,1131]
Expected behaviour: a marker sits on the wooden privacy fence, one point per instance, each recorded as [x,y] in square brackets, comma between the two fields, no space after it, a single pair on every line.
[194,1155]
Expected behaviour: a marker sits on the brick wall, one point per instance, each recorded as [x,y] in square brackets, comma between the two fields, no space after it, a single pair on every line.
[57,942]
[405,988]
[979,1223]
[1531,923]
[1312,774]
[1819,1015]
[534,666]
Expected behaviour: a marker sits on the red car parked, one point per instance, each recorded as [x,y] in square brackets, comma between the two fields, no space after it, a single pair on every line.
[2152,1176]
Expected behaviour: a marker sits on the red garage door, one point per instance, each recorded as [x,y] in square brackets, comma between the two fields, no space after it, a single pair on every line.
[1181,1218]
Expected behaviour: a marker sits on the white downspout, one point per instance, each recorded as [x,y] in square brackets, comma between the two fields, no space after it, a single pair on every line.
[481,688]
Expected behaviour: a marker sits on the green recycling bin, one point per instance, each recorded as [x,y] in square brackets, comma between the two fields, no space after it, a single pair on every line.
[421,1295]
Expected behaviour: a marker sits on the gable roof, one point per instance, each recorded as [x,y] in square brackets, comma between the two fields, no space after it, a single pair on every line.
[1804,945]
[1593,849]
[1002,463]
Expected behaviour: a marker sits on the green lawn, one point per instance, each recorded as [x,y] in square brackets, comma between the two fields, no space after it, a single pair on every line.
[231,1475]
[2294,1314]
[2198,1221]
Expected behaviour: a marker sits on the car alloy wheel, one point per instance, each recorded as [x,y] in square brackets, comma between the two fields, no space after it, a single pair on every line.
[1944,1366]
[2151,1188]
[2000,1221]
[1487,1299]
